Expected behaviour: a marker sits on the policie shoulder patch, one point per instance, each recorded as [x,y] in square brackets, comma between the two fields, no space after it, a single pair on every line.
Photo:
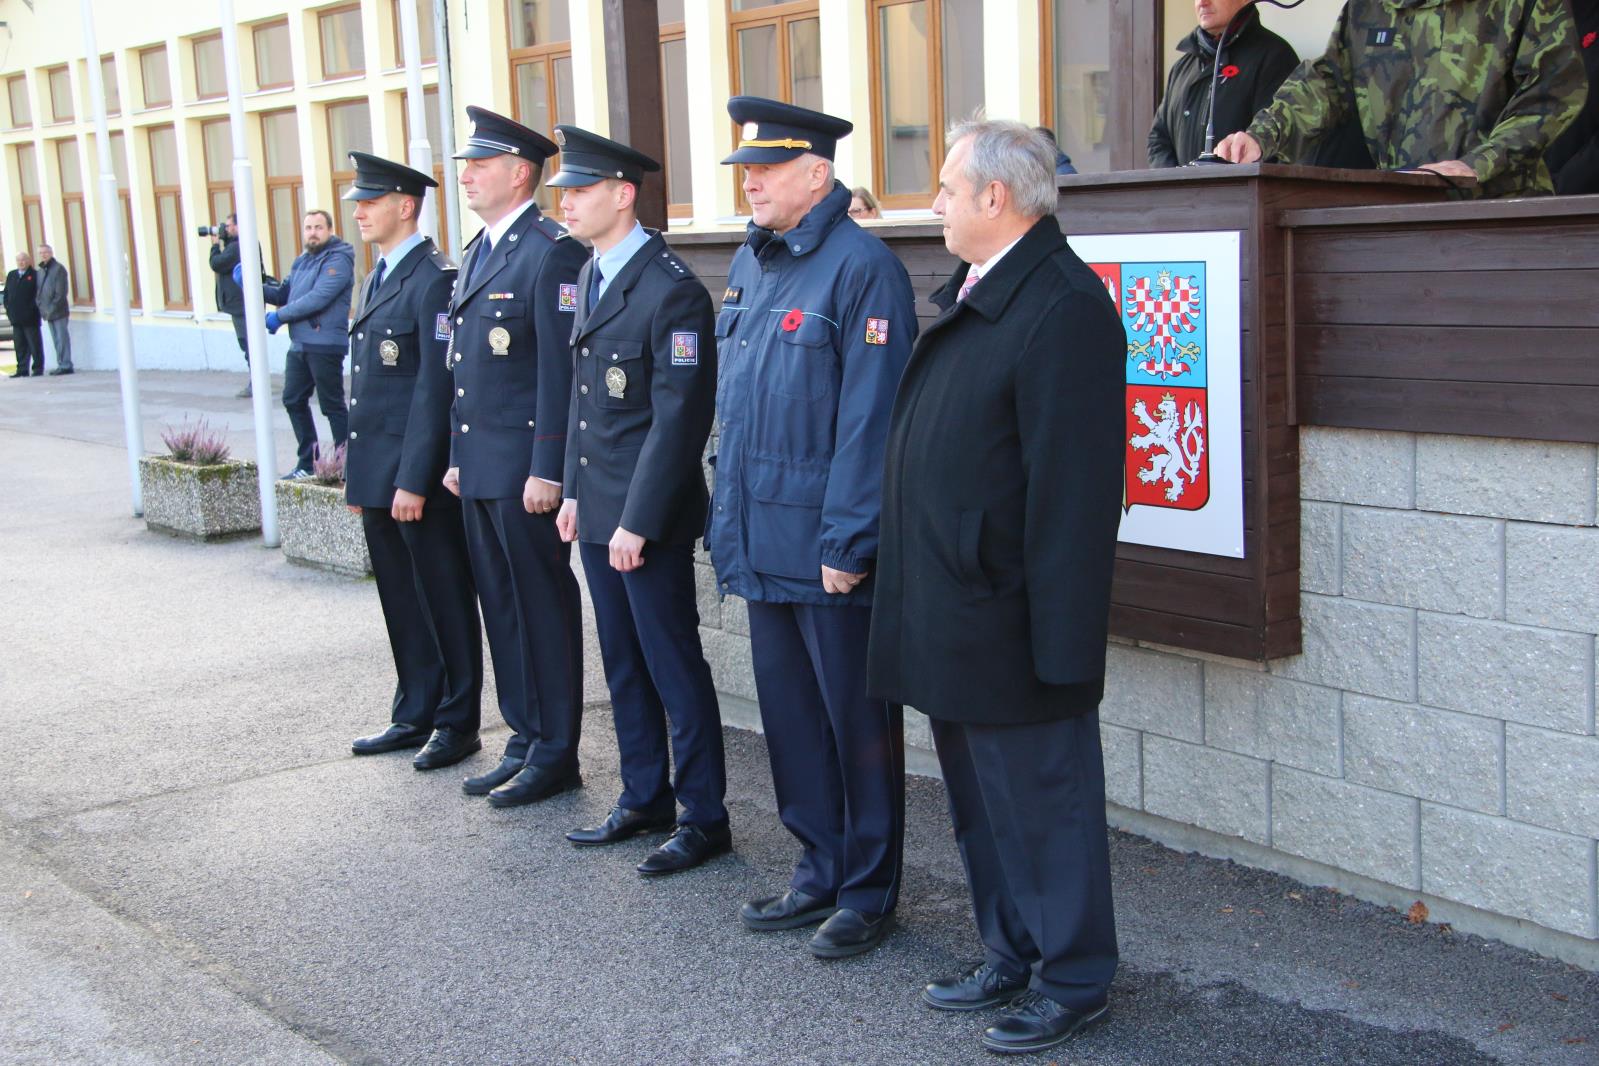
[685,349]
[877,331]
[569,298]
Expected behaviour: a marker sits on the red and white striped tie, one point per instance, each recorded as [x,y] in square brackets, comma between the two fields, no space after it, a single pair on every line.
[972,278]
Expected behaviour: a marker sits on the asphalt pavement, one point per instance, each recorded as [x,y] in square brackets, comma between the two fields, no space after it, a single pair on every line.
[194,869]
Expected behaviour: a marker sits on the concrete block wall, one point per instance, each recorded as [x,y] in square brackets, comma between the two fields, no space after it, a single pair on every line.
[1435,740]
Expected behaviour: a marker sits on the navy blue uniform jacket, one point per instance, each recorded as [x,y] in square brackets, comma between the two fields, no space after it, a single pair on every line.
[645,370]
[511,399]
[400,405]
[814,330]
[1002,496]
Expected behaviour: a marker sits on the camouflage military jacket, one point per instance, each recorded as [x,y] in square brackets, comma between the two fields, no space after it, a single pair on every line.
[1488,82]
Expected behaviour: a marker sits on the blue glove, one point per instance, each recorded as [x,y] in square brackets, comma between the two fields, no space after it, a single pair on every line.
[273,321]
[238,274]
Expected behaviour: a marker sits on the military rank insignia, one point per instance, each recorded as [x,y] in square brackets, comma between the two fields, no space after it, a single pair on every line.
[733,294]
[877,331]
[569,298]
[441,327]
[685,349]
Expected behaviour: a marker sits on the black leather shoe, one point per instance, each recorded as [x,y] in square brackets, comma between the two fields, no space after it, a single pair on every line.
[790,910]
[979,987]
[483,784]
[397,736]
[531,784]
[18,374]
[622,824]
[688,846]
[1035,1022]
[58,371]
[446,747]
[848,932]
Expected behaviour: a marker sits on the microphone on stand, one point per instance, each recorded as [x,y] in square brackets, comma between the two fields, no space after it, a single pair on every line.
[1209,156]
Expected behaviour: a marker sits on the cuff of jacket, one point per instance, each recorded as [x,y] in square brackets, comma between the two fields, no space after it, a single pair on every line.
[1485,160]
[845,562]
[1266,136]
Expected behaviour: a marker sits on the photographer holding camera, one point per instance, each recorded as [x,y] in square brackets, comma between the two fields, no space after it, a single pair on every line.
[230,297]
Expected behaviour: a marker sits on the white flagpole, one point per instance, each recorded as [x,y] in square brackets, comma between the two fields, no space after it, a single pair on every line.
[421,155]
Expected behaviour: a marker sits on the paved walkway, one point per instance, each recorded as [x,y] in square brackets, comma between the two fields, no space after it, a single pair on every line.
[193,869]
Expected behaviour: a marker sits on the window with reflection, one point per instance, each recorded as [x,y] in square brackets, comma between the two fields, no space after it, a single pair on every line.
[430,109]
[674,97]
[130,265]
[32,204]
[60,82]
[154,77]
[216,140]
[424,32]
[285,189]
[777,53]
[76,222]
[343,49]
[541,72]
[349,130]
[274,69]
[1077,75]
[108,84]
[166,189]
[17,92]
[928,75]
[210,76]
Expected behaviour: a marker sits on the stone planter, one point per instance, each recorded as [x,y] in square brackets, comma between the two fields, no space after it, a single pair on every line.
[317,529]
[203,502]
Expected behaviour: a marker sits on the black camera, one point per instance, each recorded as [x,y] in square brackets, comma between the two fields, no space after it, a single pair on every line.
[212,231]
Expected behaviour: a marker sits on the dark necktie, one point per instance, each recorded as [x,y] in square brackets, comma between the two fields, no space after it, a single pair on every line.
[595,277]
[479,256]
[377,277]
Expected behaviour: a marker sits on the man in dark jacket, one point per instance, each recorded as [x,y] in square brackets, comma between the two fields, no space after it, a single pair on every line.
[1001,501]
[314,300]
[229,294]
[815,327]
[54,302]
[22,309]
[644,344]
[1573,158]
[400,394]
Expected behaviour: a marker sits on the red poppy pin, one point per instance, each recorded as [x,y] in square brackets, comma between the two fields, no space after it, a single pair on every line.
[1229,72]
[1588,39]
[792,320]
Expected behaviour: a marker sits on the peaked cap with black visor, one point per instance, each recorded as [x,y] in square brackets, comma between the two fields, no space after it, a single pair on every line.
[587,159]
[494,134]
[375,177]
[774,132]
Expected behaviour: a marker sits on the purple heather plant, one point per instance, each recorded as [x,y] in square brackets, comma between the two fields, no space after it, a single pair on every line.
[196,443]
[327,468]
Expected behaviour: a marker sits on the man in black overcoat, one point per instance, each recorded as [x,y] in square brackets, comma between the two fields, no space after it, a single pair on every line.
[399,448]
[1001,501]
[644,349]
[22,309]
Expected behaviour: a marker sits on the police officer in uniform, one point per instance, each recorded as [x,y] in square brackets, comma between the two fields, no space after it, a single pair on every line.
[645,353]
[815,327]
[511,318]
[398,450]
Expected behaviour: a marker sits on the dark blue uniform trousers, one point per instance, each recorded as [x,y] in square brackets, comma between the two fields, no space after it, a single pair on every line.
[533,615]
[321,370]
[838,757]
[430,608]
[1028,803]
[649,627]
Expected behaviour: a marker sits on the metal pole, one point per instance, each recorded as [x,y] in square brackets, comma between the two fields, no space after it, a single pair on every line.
[115,258]
[421,156]
[266,455]
[452,200]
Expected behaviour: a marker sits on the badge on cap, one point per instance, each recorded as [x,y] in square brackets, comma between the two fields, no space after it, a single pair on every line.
[751,129]
[685,349]
[500,340]
[877,331]
[568,292]
[616,382]
[389,352]
[441,327]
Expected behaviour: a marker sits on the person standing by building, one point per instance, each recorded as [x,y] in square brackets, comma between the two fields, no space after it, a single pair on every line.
[22,310]
[815,327]
[229,293]
[54,307]
[314,301]
[400,395]
[644,350]
[1001,502]
[512,312]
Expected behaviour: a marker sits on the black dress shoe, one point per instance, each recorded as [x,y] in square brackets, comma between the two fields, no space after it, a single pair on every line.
[622,824]
[688,846]
[58,371]
[849,932]
[483,784]
[1035,1022]
[446,747]
[981,986]
[18,374]
[531,784]
[397,736]
[790,910]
